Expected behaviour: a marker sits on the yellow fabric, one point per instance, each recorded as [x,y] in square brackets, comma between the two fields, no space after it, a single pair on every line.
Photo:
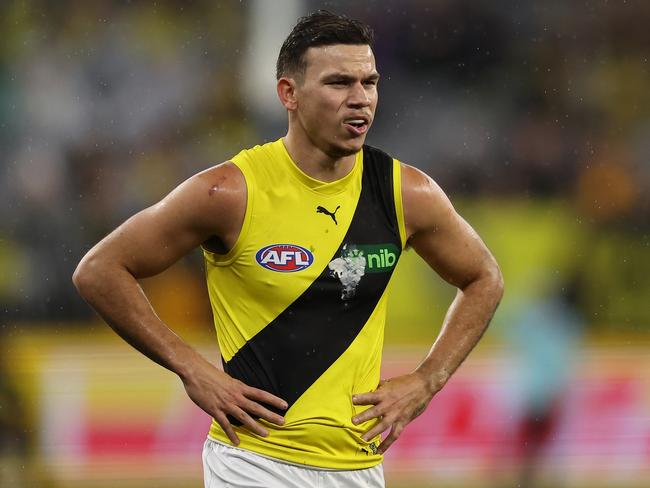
[245,297]
[399,207]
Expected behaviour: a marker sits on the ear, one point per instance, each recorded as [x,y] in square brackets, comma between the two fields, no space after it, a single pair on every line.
[287,93]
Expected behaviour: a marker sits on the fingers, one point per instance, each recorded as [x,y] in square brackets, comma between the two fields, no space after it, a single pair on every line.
[377,429]
[370,398]
[265,397]
[395,432]
[222,396]
[227,428]
[248,422]
[395,403]
[259,411]
[366,415]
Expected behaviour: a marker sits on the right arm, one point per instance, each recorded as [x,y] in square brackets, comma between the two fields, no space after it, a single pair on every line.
[211,203]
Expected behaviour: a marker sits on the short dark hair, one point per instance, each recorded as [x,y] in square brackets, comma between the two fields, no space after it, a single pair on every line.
[320,28]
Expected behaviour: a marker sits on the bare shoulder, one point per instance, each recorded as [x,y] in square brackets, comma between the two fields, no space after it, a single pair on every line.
[220,185]
[209,204]
[223,180]
[425,204]
[214,200]
[439,234]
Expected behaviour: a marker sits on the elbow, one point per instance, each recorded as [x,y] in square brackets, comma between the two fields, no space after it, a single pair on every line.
[85,274]
[488,283]
[496,280]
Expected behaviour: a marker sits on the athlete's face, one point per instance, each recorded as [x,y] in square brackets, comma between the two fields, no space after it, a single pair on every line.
[336,97]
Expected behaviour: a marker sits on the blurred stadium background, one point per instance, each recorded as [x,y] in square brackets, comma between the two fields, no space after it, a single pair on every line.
[533,116]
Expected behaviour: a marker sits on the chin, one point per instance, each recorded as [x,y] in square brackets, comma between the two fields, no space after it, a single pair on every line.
[347,149]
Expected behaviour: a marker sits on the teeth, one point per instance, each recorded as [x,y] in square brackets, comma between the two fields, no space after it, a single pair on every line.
[356,121]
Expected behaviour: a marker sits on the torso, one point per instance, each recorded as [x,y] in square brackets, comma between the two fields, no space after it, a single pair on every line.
[299,299]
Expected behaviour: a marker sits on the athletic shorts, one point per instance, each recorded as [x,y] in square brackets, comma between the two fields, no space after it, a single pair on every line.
[226,466]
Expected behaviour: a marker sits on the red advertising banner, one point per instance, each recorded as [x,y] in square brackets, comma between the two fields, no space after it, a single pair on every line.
[104,412]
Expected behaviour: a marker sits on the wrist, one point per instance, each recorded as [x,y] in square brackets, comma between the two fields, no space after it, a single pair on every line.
[184,362]
[434,379]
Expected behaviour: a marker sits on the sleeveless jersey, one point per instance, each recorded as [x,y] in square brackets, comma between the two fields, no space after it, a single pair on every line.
[299,301]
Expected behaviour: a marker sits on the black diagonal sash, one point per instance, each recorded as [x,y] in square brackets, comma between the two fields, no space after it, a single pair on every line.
[302,342]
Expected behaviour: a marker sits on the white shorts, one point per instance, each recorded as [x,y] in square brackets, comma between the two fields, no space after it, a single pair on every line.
[226,466]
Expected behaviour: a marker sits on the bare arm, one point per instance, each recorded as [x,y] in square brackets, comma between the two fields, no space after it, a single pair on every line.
[211,203]
[454,250]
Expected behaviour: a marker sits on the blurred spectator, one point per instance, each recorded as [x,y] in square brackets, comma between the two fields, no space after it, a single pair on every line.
[546,337]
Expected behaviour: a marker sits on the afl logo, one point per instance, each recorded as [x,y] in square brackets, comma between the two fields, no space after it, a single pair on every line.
[285,258]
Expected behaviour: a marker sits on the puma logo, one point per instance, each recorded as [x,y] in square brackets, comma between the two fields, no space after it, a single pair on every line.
[323,210]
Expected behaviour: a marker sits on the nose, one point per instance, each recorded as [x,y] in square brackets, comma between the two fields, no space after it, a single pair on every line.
[358,96]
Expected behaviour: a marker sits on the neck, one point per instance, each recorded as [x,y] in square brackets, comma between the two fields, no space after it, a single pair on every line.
[315,162]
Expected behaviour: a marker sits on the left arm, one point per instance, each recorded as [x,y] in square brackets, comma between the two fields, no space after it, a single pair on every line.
[453,249]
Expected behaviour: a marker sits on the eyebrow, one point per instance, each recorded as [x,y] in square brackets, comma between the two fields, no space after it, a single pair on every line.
[346,77]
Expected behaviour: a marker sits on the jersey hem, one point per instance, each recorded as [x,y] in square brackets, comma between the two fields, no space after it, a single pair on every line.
[303,459]
[277,460]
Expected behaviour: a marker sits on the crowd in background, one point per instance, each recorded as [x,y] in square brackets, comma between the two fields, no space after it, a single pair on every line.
[107,105]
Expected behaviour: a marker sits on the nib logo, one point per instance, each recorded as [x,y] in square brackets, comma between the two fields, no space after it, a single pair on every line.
[383,259]
[379,257]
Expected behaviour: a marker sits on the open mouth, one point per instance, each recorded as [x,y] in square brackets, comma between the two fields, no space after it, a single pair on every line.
[356,126]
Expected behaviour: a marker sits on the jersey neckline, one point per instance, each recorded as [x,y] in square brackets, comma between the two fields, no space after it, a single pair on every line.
[323,187]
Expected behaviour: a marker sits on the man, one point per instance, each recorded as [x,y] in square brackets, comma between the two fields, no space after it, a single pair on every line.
[300,238]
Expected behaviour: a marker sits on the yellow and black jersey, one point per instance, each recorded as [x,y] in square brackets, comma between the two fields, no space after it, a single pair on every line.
[299,302]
